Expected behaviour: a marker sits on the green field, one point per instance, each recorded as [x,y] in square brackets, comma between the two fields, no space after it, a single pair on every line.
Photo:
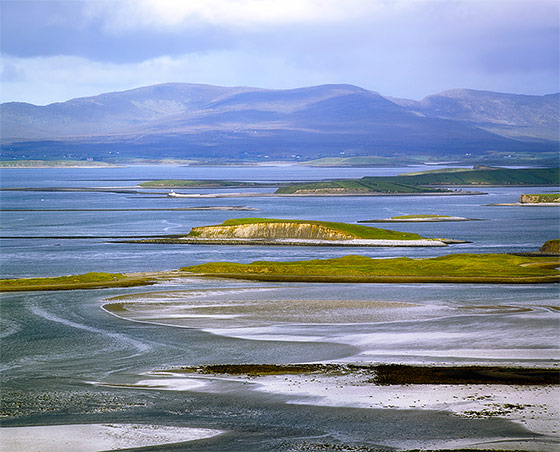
[352,230]
[421,182]
[494,268]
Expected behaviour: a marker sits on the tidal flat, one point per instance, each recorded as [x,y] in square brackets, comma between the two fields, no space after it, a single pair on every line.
[66,361]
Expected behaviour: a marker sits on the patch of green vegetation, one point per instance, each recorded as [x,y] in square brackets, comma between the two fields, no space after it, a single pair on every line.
[180,183]
[454,267]
[354,230]
[84,281]
[419,182]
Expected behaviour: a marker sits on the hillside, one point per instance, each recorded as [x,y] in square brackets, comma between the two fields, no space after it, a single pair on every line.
[509,115]
[208,123]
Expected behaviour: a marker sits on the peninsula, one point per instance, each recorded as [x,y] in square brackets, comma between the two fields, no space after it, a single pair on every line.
[269,231]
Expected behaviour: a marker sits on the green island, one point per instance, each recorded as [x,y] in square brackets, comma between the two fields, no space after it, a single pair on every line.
[421,182]
[92,280]
[270,231]
[418,219]
[272,227]
[453,268]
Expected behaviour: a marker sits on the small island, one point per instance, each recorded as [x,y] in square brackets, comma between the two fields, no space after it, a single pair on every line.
[453,268]
[270,231]
[540,199]
[551,247]
[419,219]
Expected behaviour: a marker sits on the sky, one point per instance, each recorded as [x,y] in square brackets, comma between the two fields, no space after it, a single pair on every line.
[52,51]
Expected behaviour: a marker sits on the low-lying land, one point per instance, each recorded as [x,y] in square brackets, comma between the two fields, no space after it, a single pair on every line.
[92,280]
[418,219]
[454,268]
[186,183]
[394,374]
[269,231]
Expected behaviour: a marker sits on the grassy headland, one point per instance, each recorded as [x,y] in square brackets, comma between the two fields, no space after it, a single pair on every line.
[92,280]
[454,268]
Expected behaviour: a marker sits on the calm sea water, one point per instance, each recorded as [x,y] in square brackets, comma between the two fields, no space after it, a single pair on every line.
[58,346]
[32,253]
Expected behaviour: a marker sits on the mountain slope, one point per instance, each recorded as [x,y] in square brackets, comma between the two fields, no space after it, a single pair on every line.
[510,115]
[211,122]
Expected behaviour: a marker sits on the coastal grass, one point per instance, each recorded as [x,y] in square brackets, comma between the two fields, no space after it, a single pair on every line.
[455,268]
[353,230]
[92,280]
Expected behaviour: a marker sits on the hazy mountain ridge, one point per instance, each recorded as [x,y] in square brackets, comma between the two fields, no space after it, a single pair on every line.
[510,115]
[188,120]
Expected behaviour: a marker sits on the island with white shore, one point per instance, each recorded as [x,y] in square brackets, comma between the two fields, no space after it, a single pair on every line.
[270,231]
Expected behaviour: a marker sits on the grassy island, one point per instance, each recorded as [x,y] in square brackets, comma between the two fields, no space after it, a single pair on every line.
[92,280]
[269,228]
[454,268]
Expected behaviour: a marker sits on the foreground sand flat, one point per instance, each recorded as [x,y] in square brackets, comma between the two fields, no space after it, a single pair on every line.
[536,408]
[95,437]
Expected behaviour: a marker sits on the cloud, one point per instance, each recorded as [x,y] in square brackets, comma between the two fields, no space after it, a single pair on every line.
[55,50]
[164,14]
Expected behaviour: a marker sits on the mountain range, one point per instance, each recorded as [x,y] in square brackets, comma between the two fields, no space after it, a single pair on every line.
[204,122]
